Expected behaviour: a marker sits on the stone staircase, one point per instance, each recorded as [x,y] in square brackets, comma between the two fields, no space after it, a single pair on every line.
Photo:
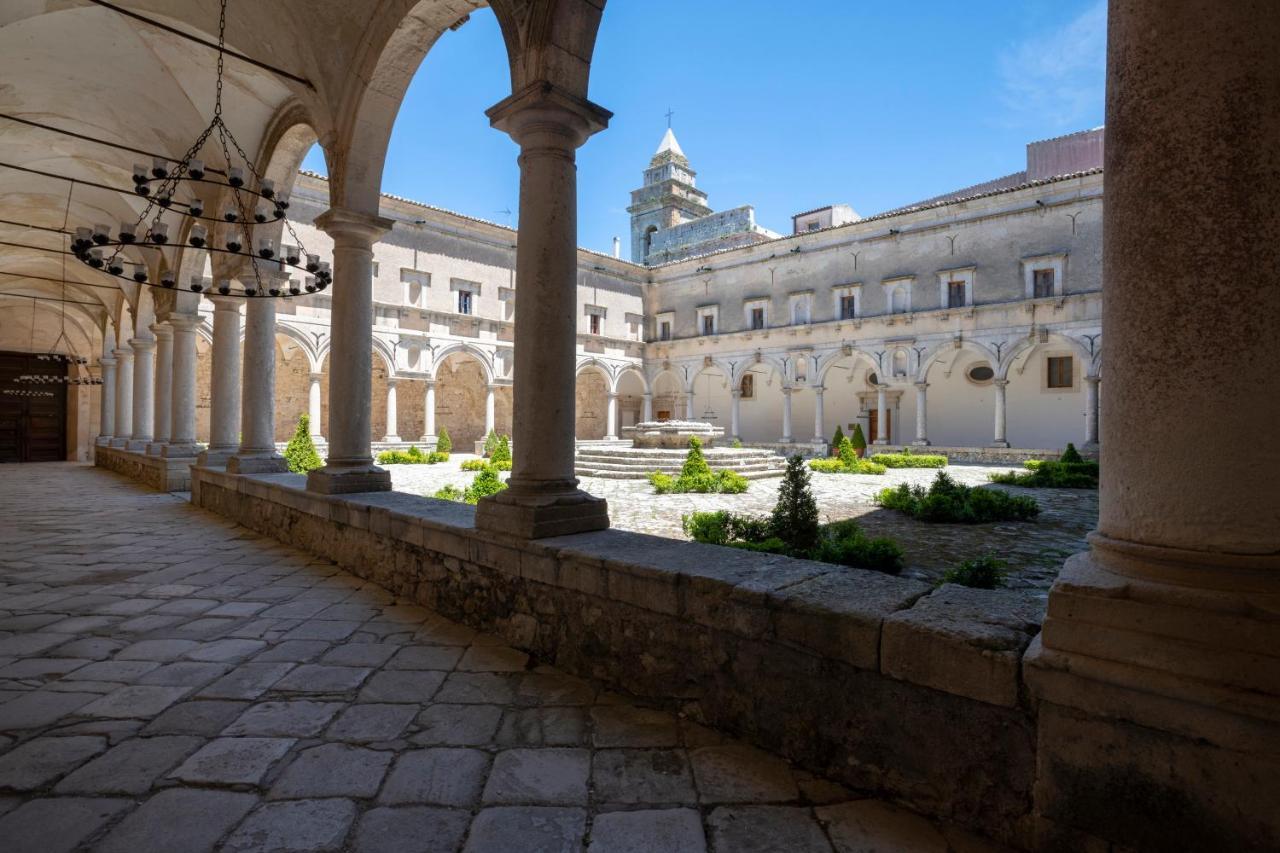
[616,462]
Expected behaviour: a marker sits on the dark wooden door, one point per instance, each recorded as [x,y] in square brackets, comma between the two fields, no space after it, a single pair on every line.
[32,428]
[873,425]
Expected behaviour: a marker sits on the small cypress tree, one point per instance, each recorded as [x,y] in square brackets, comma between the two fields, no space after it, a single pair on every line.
[857,439]
[490,444]
[1071,454]
[838,438]
[501,452]
[848,456]
[695,464]
[443,443]
[795,515]
[301,451]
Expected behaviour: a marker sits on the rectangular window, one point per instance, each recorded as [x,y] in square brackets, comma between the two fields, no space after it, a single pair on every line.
[757,318]
[1042,283]
[955,294]
[848,307]
[595,324]
[708,324]
[1061,369]
[749,386]
[813,226]
[375,269]
[464,302]
[664,330]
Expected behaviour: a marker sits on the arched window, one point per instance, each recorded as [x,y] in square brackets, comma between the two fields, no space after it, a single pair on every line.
[900,363]
[648,240]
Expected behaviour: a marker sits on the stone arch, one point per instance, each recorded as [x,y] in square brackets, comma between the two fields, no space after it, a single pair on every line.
[304,342]
[593,382]
[632,370]
[484,359]
[386,351]
[1027,345]
[831,361]
[463,375]
[935,355]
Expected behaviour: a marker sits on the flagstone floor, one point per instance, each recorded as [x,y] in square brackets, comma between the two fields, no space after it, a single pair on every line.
[172,682]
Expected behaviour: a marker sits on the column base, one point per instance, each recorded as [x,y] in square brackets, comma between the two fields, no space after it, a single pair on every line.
[886,441]
[921,442]
[348,479]
[156,448]
[138,445]
[428,439]
[391,439]
[533,513]
[1000,444]
[610,438]
[182,451]
[103,441]
[215,457]
[1159,701]
[257,463]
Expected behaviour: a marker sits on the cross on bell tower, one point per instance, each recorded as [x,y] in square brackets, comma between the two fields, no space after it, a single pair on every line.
[669,197]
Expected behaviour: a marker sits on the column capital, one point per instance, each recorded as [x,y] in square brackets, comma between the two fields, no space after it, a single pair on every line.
[786,390]
[123,352]
[613,395]
[225,303]
[1000,383]
[1093,379]
[161,330]
[352,228]
[183,322]
[392,380]
[546,115]
[736,393]
[315,377]
[818,389]
[107,361]
[920,386]
[143,344]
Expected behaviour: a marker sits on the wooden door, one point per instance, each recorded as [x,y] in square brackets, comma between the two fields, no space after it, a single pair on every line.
[32,428]
[873,425]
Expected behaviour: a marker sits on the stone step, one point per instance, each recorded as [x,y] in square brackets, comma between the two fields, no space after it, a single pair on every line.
[675,469]
[676,454]
[632,475]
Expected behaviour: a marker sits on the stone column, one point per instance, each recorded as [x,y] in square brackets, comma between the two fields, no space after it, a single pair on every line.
[182,409]
[314,413]
[488,408]
[144,392]
[257,453]
[1000,440]
[543,498]
[1157,675]
[393,434]
[164,382]
[735,414]
[786,415]
[819,424]
[922,414]
[349,466]
[1091,411]
[611,433]
[882,414]
[124,397]
[429,413]
[107,400]
[688,406]
[646,413]
[224,390]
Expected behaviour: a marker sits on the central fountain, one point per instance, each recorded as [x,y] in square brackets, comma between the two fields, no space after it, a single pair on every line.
[662,445]
[673,435]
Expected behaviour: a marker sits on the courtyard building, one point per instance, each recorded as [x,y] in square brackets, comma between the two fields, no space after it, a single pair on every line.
[287,661]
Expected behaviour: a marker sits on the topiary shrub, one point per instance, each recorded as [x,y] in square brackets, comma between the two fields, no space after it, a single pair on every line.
[413,456]
[842,543]
[502,451]
[1049,474]
[907,459]
[795,515]
[846,462]
[444,444]
[696,476]
[490,444]
[486,483]
[838,438]
[736,444]
[985,572]
[301,453]
[695,464]
[1071,454]
[948,501]
[448,493]
[857,439]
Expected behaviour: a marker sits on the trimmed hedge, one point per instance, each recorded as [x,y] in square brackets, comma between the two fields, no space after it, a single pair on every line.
[846,462]
[842,543]
[1071,471]
[696,476]
[412,456]
[946,501]
[907,459]
[485,484]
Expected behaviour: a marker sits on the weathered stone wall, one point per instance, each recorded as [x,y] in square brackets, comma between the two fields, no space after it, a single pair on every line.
[877,681]
[591,405]
[159,473]
[293,385]
[460,396]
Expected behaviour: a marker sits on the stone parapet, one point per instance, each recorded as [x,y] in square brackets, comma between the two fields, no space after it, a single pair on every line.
[163,473]
[810,660]
[971,455]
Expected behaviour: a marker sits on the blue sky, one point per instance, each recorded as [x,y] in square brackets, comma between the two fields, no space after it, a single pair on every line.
[870,104]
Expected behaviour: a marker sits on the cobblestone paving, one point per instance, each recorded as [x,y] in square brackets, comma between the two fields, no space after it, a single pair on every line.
[172,682]
[1035,551]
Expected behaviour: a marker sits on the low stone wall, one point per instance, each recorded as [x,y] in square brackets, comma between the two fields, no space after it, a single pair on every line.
[158,472]
[880,682]
[1013,456]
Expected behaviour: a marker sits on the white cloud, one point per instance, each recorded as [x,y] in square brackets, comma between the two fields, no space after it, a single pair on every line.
[1057,77]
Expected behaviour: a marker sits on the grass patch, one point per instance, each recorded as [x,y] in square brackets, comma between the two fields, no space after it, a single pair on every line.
[985,572]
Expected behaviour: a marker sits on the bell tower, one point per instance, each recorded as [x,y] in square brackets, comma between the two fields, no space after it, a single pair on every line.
[669,197]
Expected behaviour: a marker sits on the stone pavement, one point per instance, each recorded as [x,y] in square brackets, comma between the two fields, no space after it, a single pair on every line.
[1035,551]
[172,682]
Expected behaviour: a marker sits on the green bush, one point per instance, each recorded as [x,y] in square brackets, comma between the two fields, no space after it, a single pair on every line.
[838,438]
[857,439]
[736,444]
[475,465]
[947,501]
[696,476]
[695,464]
[907,459]
[490,444]
[486,483]
[842,543]
[985,572]
[502,452]
[444,444]
[795,515]
[301,452]
[1049,474]
[413,456]
[846,462]
[1071,454]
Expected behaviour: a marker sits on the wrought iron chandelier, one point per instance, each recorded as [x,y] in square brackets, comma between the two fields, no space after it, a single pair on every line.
[247,200]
